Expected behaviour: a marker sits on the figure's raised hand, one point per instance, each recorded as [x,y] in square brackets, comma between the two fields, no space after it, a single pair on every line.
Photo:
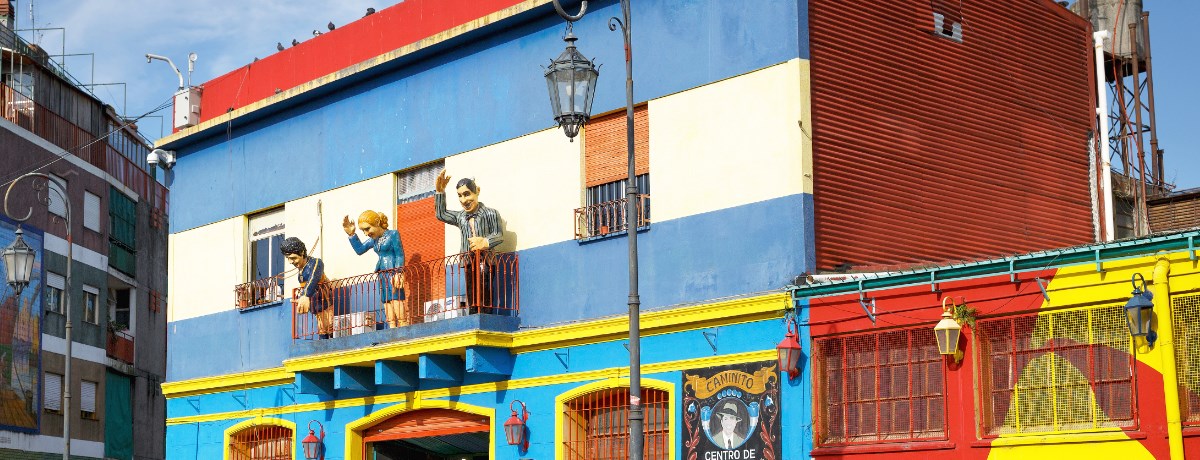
[442,181]
[348,225]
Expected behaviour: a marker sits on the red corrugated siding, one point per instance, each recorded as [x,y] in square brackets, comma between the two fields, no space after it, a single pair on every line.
[931,150]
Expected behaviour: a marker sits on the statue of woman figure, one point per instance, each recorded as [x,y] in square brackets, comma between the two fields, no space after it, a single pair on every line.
[391,256]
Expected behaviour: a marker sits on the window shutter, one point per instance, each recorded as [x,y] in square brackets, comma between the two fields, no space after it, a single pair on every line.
[91,211]
[52,397]
[606,150]
[55,280]
[417,183]
[87,396]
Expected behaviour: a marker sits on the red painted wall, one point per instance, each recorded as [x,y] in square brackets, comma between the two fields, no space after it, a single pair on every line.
[930,150]
[385,31]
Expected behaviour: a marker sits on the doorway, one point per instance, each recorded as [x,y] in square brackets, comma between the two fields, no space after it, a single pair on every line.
[429,434]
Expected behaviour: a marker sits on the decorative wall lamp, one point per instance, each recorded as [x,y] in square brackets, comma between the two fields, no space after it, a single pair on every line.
[571,79]
[314,447]
[18,262]
[789,351]
[514,428]
[1138,310]
[948,332]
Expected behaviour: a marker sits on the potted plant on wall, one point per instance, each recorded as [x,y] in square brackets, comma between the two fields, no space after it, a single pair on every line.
[243,296]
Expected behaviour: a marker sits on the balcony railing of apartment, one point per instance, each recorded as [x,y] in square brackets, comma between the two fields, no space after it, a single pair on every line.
[120,346]
[258,292]
[27,113]
[458,285]
[609,217]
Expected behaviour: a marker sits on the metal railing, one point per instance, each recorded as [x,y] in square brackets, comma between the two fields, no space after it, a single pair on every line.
[120,346]
[24,112]
[609,217]
[457,285]
[258,292]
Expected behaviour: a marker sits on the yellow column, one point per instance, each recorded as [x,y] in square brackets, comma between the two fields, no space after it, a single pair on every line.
[1166,348]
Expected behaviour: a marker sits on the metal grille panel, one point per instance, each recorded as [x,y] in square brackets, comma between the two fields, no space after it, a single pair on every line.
[264,442]
[1057,372]
[596,425]
[879,387]
[1185,316]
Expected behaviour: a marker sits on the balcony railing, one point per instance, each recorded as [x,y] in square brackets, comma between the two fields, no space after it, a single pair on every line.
[609,217]
[458,285]
[120,346]
[258,292]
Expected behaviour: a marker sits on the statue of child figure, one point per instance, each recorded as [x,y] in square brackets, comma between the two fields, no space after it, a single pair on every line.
[391,256]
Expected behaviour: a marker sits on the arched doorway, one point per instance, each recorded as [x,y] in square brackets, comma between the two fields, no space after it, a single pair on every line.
[429,434]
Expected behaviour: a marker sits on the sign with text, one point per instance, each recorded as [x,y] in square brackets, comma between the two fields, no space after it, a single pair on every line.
[732,412]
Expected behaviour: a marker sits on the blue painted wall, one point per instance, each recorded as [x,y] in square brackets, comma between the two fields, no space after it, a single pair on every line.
[204,440]
[746,249]
[468,94]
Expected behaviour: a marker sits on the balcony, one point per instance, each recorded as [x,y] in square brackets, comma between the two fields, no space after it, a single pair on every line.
[120,346]
[472,290]
[609,217]
[258,292]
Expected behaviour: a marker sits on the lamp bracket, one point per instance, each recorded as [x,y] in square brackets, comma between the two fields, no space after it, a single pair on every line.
[711,337]
[571,17]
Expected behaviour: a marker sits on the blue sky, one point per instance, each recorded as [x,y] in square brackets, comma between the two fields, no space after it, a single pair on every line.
[227,34]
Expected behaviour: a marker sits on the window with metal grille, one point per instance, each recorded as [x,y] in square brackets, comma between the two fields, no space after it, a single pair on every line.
[606,173]
[263,442]
[1185,317]
[879,387]
[1057,372]
[596,425]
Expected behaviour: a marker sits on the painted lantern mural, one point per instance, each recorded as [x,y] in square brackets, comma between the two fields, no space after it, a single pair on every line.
[20,340]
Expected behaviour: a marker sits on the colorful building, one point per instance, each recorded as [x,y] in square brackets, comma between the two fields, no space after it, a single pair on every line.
[769,145]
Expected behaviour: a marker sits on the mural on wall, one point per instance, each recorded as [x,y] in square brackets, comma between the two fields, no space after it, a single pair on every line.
[20,340]
[732,412]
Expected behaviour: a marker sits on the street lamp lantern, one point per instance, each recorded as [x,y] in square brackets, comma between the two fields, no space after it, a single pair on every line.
[571,80]
[948,332]
[18,262]
[789,352]
[313,450]
[1138,310]
[514,428]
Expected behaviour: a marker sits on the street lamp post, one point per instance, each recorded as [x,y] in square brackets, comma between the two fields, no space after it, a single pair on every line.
[582,85]
[23,275]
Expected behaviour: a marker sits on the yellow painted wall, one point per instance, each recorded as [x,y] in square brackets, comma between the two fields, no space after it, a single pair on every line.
[534,181]
[302,221]
[204,265]
[730,143]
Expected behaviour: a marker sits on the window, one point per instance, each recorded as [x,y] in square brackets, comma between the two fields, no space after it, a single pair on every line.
[122,233]
[53,393]
[87,399]
[1185,314]
[118,308]
[879,387]
[55,284]
[1054,372]
[262,442]
[91,211]
[596,425]
[266,236]
[947,19]
[606,163]
[56,204]
[91,304]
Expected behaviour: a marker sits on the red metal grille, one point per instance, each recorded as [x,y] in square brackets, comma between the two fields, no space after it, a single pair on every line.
[879,387]
[1185,312]
[259,292]
[265,442]
[457,285]
[1056,372]
[609,217]
[596,425]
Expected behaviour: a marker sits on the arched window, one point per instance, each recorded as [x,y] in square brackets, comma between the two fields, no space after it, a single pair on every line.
[596,425]
[261,442]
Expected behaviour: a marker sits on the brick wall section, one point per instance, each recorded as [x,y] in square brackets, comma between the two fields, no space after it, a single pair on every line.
[605,150]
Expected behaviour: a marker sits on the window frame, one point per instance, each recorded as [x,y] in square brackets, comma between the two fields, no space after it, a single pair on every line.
[668,425]
[46,400]
[266,234]
[821,404]
[84,403]
[55,283]
[259,423]
[91,211]
[91,313]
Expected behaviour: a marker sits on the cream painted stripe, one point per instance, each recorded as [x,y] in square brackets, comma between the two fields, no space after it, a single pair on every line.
[612,372]
[50,444]
[58,345]
[359,67]
[80,254]
[66,157]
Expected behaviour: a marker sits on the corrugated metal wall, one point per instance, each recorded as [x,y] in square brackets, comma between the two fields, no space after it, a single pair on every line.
[1175,212]
[930,149]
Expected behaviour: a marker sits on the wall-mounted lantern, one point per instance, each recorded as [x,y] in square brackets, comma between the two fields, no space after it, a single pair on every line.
[18,262]
[514,428]
[789,351]
[1139,309]
[571,79]
[948,332]
[314,447]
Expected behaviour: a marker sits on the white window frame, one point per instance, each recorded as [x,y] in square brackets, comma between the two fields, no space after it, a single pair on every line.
[52,393]
[58,283]
[91,211]
[91,314]
[257,223]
